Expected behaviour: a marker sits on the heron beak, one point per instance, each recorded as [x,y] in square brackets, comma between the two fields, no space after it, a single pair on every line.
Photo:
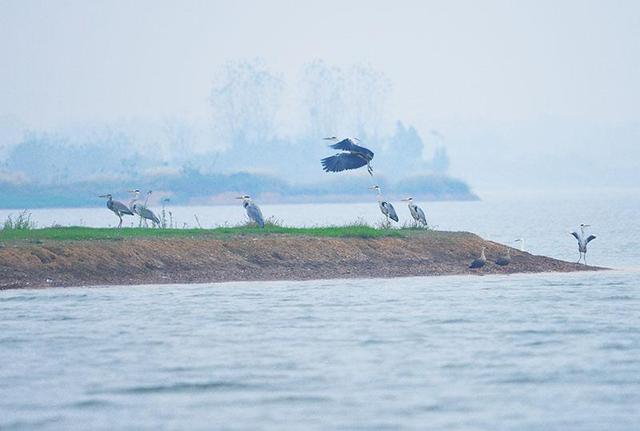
[102,196]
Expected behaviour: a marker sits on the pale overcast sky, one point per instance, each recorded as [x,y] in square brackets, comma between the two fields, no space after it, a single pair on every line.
[485,72]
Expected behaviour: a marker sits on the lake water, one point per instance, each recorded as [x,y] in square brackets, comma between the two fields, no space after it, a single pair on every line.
[525,352]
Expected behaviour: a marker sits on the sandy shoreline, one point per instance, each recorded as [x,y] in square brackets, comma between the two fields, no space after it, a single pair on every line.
[255,258]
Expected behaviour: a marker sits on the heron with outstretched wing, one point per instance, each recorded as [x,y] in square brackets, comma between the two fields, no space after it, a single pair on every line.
[583,240]
[353,156]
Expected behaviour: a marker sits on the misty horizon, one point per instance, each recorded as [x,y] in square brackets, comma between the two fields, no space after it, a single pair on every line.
[534,95]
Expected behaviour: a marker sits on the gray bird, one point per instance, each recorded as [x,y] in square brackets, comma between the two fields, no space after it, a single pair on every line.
[141,210]
[387,209]
[352,157]
[583,240]
[479,262]
[505,259]
[117,207]
[253,210]
[416,212]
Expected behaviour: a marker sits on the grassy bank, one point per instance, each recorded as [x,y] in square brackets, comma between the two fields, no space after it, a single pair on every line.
[86,233]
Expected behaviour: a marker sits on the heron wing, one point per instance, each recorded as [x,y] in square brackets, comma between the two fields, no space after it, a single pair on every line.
[122,208]
[349,145]
[148,214]
[576,235]
[590,238]
[391,211]
[341,162]
[421,215]
[254,213]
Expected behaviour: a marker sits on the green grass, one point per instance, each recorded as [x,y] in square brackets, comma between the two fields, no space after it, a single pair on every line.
[85,233]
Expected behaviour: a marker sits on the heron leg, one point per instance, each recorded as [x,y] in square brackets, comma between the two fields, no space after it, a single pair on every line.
[579,258]
[585,259]
[120,224]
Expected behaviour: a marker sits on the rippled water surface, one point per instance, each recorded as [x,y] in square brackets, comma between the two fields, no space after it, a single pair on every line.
[517,352]
[525,352]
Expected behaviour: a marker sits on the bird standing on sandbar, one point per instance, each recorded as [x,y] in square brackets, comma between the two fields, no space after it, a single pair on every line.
[387,209]
[416,212]
[253,210]
[117,207]
[142,210]
[479,262]
[505,259]
[582,242]
[352,157]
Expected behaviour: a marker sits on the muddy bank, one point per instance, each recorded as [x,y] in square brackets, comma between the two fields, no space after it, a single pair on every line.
[264,257]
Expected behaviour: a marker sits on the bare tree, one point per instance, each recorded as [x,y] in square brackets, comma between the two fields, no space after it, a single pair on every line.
[350,100]
[245,100]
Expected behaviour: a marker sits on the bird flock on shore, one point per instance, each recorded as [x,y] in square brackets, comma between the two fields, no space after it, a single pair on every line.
[351,156]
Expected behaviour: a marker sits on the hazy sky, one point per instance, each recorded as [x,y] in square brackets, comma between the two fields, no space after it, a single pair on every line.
[504,80]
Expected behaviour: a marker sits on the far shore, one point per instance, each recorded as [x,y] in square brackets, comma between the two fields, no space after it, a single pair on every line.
[102,257]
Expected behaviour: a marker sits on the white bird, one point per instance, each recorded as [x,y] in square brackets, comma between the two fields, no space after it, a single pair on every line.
[387,209]
[253,210]
[582,242]
[416,212]
[521,241]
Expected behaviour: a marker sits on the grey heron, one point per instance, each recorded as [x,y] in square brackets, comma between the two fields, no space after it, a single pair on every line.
[141,210]
[583,240]
[479,262]
[117,207]
[387,209]
[521,241]
[416,212]
[352,156]
[505,259]
[253,210]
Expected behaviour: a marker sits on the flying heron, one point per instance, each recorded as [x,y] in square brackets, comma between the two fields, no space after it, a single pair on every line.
[416,212]
[505,259]
[352,156]
[479,262]
[253,210]
[582,242]
[387,209]
[117,207]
